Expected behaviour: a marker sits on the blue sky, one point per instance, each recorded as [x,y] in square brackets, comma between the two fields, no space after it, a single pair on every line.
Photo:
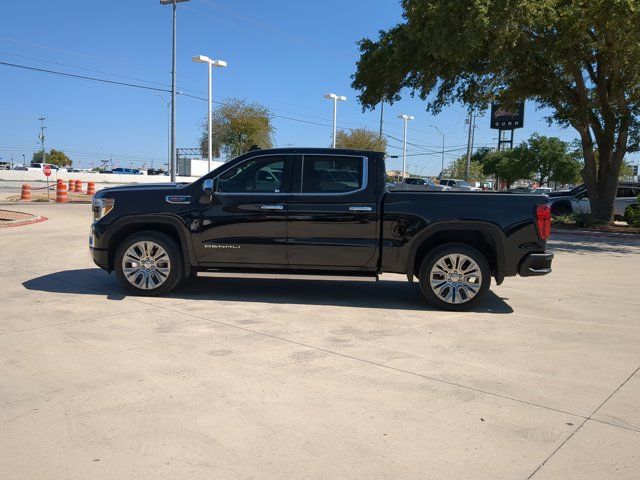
[283,54]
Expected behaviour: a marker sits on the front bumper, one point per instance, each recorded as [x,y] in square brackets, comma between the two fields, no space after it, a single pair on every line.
[100,258]
[536,264]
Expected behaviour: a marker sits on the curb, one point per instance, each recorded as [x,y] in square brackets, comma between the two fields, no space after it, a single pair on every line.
[20,223]
[595,233]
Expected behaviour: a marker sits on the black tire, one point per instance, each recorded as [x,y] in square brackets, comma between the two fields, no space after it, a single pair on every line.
[561,209]
[461,295]
[168,274]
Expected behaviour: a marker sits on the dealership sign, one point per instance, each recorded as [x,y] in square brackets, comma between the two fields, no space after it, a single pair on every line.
[507,119]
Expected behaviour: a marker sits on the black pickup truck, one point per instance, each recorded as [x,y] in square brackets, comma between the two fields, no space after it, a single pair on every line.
[322,212]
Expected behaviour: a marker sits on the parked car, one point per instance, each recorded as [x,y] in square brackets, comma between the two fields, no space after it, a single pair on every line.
[520,190]
[300,222]
[5,166]
[126,171]
[419,183]
[459,185]
[627,195]
[542,190]
[38,167]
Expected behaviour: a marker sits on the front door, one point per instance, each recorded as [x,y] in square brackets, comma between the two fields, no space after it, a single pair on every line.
[246,222]
[333,218]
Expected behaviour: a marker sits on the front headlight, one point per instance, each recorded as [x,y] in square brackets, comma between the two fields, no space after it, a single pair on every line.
[101,207]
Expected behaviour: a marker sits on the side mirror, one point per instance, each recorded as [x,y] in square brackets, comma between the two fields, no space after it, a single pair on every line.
[207,187]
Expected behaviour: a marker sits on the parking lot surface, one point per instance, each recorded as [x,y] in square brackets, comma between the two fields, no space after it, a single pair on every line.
[277,379]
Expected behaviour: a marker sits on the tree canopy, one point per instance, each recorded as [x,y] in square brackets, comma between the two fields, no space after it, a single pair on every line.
[509,165]
[577,57]
[55,157]
[458,169]
[361,139]
[237,126]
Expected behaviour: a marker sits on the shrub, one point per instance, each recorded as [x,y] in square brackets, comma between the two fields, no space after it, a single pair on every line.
[632,214]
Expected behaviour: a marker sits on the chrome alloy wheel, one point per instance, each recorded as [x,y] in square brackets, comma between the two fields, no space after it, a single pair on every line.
[455,278]
[146,265]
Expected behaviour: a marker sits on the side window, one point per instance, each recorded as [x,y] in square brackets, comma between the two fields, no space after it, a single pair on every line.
[259,175]
[581,195]
[331,174]
[624,192]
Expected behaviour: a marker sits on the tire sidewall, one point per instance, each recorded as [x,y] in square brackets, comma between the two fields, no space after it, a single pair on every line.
[448,249]
[169,246]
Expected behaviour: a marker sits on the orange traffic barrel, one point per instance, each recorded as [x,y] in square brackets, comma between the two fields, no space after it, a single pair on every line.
[78,186]
[25,194]
[61,193]
[91,188]
[72,185]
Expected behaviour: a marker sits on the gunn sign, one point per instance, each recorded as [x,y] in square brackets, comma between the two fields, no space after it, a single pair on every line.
[503,119]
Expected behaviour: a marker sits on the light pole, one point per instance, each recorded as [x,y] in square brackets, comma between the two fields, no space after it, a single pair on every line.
[406,119]
[336,99]
[172,167]
[211,63]
[440,131]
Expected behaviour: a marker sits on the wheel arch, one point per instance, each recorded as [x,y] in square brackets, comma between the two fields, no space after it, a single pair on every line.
[170,226]
[487,238]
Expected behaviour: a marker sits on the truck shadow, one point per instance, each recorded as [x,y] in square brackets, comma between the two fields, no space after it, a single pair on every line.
[382,294]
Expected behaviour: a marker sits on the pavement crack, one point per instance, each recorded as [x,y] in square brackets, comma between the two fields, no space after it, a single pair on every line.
[583,423]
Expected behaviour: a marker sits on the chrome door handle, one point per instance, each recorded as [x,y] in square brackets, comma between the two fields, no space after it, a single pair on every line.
[271,207]
[360,209]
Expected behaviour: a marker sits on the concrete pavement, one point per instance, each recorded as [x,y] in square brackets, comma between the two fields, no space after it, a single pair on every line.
[259,378]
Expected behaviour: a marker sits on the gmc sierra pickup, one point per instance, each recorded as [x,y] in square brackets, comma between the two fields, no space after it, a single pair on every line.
[318,211]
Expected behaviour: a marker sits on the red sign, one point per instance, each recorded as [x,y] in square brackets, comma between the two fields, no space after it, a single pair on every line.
[46,169]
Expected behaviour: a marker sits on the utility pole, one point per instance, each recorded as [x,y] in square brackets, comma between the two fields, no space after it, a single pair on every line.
[42,136]
[381,119]
[172,160]
[469,143]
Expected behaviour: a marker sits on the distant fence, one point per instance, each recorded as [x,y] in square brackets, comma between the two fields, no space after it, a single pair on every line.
[34,176]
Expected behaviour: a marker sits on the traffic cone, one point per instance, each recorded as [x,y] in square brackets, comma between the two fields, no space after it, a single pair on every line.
[78,186]
[91,188]
[25,194]
[61,193]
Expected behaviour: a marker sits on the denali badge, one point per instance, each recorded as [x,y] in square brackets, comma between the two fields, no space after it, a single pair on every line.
[215,245]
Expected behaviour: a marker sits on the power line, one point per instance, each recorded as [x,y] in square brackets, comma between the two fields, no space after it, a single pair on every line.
[83,77]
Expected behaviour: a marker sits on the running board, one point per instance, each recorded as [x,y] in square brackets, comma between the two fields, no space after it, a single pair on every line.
[290,276]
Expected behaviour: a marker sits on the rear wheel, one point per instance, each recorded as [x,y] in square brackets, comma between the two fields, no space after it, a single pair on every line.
[148,263]
[454,276]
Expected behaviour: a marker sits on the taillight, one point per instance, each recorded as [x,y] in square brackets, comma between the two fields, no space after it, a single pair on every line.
[543,220]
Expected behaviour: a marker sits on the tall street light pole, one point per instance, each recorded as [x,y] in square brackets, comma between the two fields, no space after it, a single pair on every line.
[172,167]
[336,99]
[440,131]
[406,119]
[211,63]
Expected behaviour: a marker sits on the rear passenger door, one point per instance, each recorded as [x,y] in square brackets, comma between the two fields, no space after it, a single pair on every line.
[332,213]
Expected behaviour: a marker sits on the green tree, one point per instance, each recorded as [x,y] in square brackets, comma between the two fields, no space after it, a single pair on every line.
[237,126]
[579,58]
[566,171]
[55,157]
[552,159]
[510,165]
[361,139]
[458,169]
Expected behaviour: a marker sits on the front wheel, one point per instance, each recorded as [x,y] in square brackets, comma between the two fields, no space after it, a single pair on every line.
[454,276]
[148,263]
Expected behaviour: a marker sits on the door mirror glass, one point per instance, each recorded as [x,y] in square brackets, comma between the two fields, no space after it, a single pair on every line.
[207,187]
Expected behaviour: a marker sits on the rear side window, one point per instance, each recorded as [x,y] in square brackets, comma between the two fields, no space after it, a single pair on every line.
[331,174]
[625,192]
